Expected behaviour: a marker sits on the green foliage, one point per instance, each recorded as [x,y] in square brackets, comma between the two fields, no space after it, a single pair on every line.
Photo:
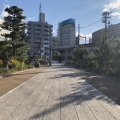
[30,66]
[14,44]
[80,56]
[105,59]
[23,66]
[1,62]
[57,56]
[5,50]
[69,57]
[4,71]
[14,23]
[41,61]
[15,63]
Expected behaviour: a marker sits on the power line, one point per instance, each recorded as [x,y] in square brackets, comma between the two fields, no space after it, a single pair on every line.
[87,25]
[91,24]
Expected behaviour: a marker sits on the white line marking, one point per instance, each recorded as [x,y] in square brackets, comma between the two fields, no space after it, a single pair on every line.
[21,84]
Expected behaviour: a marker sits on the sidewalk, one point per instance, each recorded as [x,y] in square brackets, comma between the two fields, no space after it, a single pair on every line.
[57,94]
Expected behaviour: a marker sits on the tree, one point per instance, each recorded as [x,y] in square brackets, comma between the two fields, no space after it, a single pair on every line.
[14,23]
[116,58]
[105,59]
[5,52]
[57,56]
[14,44]
[104,56]
[80,56]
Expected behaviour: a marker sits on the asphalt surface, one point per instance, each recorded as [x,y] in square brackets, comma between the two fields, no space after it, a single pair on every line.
[57,93]
[15,79]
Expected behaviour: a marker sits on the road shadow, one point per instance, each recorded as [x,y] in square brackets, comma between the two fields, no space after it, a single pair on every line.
[81,92]
[108,86]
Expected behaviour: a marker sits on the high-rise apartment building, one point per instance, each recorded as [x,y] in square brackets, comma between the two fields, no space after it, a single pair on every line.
[39,36]
[66,33]
[114,31]
[98,35]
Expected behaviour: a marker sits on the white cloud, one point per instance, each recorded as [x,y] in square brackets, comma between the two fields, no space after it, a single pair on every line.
[1,21]
[2,31]
[89,35]
[3,13]
[116,14]
[76,34]
[106,10]
[54,32]
[113,5]
[84,35]
[31,18]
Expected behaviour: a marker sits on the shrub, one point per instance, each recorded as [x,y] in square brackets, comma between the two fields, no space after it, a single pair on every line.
[4,71]
[1,62]
[41,61]
[15,64]
[30,66]
[23,66]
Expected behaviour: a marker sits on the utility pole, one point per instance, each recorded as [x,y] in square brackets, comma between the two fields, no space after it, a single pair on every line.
[85,39]
[50,51]
[105,19]
[78,39]
[79,36]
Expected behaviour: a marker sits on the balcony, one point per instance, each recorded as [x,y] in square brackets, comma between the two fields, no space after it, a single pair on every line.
[46,37]
[46,51]
[37,32]
[46,29]
[46,46]
[46,41]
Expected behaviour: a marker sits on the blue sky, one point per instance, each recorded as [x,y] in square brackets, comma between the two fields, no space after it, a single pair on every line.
[84,12]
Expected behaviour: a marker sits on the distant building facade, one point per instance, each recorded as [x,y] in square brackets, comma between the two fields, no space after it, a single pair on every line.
[114,31]
[98,35]
[39,37]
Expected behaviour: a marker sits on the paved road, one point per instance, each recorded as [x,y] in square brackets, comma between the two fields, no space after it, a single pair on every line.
[57,94]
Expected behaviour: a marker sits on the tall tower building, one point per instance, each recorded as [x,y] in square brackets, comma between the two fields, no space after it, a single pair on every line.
[39,37]
[66,33]
[41,15]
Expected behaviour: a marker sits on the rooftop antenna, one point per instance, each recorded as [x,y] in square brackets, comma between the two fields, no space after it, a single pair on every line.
[40,12]
[40,8]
